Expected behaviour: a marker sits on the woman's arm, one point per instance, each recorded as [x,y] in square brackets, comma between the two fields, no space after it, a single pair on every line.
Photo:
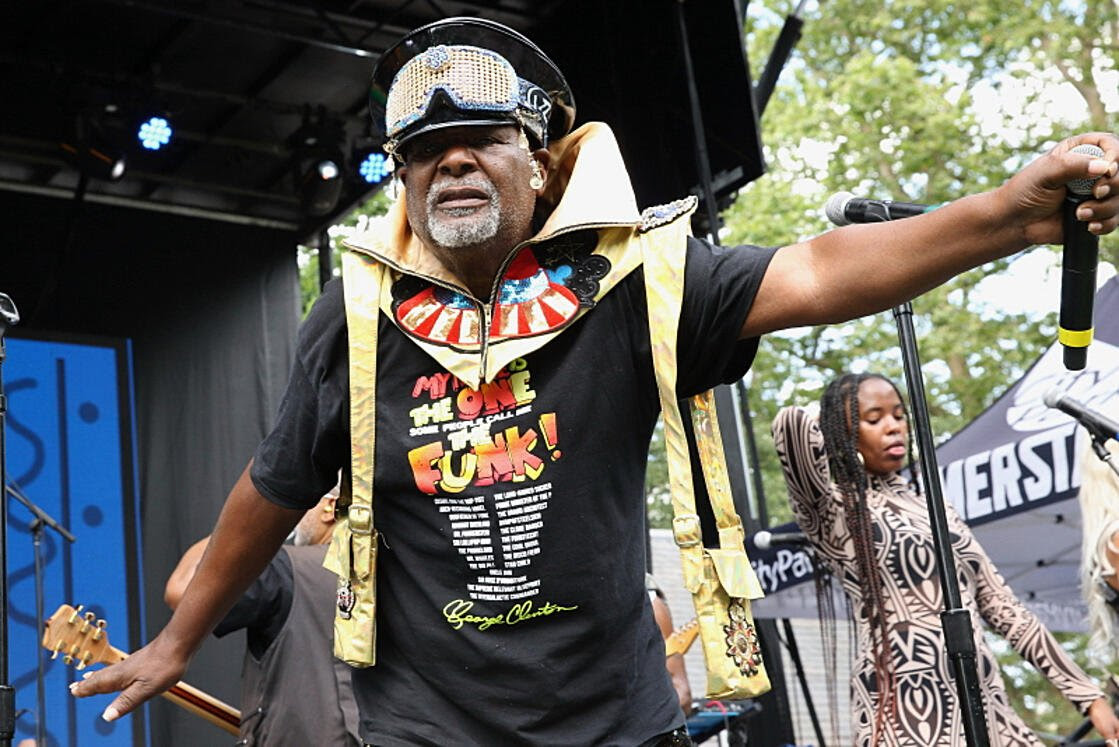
[804,461]
[1004,612]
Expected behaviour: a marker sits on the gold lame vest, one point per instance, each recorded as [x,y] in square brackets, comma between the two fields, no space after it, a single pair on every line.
[588,189]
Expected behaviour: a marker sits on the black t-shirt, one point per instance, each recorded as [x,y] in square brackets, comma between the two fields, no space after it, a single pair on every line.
[263,609]
[510,580]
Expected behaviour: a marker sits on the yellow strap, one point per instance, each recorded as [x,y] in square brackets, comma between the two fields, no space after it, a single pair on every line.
[664,251]
[362,278]
[709,443]
[361,281]
[1074,338]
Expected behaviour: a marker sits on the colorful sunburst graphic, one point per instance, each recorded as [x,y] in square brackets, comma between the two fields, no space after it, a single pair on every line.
[742,640]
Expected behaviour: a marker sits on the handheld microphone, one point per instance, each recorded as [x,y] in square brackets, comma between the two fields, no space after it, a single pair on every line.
[1078,272]
[843,209]
[765,540]
[1100,426]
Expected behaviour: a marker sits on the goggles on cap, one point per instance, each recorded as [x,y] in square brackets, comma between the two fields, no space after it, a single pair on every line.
[471,78]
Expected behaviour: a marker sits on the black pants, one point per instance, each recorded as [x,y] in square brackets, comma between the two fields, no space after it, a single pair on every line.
[676,738]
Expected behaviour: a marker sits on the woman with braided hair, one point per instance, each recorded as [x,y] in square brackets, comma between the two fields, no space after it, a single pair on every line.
[870,530]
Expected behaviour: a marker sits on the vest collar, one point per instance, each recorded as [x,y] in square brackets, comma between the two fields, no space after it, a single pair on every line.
[588,187]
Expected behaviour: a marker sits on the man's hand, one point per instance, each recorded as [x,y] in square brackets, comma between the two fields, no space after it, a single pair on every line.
[143,675]
[1104,719]
[1034,195]
[249,531]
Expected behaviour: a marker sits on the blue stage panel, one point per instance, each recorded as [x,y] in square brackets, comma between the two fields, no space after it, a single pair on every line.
[70,451]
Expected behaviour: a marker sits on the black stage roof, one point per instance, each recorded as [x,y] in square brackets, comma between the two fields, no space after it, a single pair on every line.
[240,81]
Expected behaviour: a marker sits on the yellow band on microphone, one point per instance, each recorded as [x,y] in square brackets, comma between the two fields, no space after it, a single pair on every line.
[1074,338]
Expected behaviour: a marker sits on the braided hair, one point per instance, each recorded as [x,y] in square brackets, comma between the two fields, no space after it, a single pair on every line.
[839,424]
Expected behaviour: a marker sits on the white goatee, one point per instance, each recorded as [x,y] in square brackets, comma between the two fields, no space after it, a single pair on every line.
[458,233]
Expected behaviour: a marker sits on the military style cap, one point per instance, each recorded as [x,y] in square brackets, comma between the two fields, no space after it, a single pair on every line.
[468,71]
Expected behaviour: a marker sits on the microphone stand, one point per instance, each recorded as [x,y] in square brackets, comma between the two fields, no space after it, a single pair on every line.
[959,635]
[8,316]
[1099,445]
[42,518]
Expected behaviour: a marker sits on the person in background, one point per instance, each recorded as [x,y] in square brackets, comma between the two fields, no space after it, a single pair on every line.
[674,661]
[870,528]
[293,691]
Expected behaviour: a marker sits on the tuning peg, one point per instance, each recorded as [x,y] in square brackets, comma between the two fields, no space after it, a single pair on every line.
[74,616]
[84,661]
[100,632]
[67,659]
[54,652]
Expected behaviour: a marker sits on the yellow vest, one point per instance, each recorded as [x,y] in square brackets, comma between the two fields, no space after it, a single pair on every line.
[587,189]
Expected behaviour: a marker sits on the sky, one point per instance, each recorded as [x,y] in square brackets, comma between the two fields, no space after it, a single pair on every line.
[1032,283]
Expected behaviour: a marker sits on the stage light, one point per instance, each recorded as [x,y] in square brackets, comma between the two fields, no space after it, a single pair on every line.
[321,186]
[154,133]
[327,170]
[91,149]
[375,168]
[319,167]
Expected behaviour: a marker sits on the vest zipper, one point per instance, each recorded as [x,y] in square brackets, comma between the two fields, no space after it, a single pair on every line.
[486,311]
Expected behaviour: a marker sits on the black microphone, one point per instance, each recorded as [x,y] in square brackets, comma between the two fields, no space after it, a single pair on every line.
[765,540]
[843,209]
[1100,426]
[1078,272]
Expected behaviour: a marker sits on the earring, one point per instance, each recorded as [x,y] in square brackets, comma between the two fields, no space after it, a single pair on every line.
[394,187]
[859,456]
[536,181]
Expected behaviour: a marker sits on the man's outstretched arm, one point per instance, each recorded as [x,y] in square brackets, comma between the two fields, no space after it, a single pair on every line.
[248,533]
[862,269]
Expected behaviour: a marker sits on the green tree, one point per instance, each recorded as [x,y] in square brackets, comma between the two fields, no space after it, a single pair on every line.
[899,100]
[921,101]
[308,257]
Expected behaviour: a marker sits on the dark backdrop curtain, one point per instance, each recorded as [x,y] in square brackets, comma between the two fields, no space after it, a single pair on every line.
[212,310]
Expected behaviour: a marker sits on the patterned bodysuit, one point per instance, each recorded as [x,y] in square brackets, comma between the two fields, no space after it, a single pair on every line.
[927,711]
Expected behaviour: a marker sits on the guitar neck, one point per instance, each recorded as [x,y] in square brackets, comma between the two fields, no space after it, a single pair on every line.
[218,713]
[681,639]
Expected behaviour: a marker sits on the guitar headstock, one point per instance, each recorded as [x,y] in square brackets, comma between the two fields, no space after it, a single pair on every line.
[80,638]
[680,640]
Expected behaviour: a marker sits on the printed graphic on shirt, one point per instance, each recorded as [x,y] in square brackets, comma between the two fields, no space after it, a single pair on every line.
[483,456]
[542,290]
